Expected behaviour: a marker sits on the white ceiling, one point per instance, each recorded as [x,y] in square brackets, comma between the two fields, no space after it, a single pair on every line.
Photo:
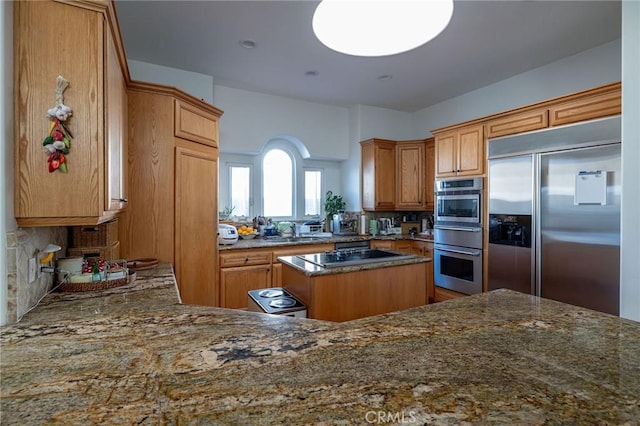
[486,41]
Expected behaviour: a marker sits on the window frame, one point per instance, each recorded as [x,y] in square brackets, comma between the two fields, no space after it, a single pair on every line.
[294,175]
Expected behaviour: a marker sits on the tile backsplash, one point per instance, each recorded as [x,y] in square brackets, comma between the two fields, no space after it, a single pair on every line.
[21,245]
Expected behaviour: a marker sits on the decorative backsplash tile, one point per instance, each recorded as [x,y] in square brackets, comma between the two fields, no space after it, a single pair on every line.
[21,245]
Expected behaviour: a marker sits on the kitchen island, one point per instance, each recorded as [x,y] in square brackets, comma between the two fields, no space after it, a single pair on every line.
[134,355]
[357,290]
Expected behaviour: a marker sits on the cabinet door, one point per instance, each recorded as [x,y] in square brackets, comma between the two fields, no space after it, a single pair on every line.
[385,173]
[194,124]
[378,174]
[116,108]
[410,175]
[588,108]
[445,148]
[471,151]
[518,123]
[235,284]
[76,197]
[148,221]
[430,174]
[196,201]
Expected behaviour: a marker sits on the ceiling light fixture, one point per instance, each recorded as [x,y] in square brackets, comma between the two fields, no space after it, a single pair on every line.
[312,73]
[379,27]
[248,44]
[385,77]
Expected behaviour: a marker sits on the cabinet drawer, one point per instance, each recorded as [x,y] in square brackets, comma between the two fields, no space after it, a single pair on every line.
[244,258]
[518,123]
[193,124]
[591,107]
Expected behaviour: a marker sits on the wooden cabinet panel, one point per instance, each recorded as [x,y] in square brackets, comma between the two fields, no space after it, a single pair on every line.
[81,196]
[245,258]
[460,152]
[196,257]
[518,123]
[235,284]
[590,107]
[148,222]
[445,151]
[173,193]
[116,146]
[410,176]
[194,124]
[378,174]
[383,244]
[430,174]
[471,155]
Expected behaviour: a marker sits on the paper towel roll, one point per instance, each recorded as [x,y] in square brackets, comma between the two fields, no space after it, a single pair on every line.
[363,224]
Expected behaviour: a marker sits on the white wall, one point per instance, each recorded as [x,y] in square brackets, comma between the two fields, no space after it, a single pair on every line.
[195,84]
[594,67]
[7,220]
[630,238]
[252,119]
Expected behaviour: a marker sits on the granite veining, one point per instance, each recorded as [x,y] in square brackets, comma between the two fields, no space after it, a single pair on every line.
[133,355]
[261,242]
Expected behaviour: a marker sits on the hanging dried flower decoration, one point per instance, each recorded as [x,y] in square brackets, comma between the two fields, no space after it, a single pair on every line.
[58,143]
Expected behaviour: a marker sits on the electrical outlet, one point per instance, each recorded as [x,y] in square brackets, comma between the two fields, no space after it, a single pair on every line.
[33,269]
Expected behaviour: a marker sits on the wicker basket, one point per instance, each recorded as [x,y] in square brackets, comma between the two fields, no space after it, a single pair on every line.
[98,285]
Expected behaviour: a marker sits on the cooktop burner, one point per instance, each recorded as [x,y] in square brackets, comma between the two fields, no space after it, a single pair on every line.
[282,302]
[276,300]
[269,293]
[334,259]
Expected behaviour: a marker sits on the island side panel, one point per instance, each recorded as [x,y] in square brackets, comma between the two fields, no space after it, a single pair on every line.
[352,295]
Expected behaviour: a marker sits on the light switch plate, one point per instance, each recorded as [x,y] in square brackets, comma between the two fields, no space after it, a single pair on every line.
[33,268]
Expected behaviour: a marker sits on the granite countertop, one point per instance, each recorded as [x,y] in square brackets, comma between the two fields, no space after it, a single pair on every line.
[311,269]
[135,356]
[262,242]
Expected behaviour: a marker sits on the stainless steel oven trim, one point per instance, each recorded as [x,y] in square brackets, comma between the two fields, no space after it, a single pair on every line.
[476,195]
[454,283]
[458,228]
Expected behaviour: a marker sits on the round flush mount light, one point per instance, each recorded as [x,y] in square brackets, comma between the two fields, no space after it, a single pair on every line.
[248,44]
[379,27]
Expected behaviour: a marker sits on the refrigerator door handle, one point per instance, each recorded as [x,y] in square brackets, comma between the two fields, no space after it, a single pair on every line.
[458,228]
[467,253]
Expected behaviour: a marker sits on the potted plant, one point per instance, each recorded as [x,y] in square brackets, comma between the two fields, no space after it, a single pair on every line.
[332,205]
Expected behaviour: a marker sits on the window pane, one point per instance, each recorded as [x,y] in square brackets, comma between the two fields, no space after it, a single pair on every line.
[312,191]
[277,190]
[240,189]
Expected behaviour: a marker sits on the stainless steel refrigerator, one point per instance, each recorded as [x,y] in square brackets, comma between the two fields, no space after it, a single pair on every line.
[554,214]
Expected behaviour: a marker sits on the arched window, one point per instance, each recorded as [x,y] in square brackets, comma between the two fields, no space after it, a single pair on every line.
[277,183]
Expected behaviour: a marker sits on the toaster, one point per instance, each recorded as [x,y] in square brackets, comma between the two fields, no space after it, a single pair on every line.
[227,234]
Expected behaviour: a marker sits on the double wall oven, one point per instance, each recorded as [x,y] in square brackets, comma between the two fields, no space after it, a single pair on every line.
[458,235]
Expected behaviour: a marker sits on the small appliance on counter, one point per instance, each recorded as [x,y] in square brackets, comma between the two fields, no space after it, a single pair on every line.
[227,234]
[277,301]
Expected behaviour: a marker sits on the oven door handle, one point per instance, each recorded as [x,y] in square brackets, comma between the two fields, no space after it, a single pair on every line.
[458,228]
[468,253]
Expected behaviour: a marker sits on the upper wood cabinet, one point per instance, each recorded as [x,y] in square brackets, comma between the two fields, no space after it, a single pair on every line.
[79,43]
[518,123]
[430,173]
[410,175]
[196,125]
[173,191]
[378,174]
[586,108]
[460,152]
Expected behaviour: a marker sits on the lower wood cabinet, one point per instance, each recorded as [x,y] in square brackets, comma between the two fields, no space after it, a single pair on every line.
[236,282]
[276,272]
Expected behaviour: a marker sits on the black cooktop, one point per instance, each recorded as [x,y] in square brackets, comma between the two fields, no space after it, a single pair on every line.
[334,259]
